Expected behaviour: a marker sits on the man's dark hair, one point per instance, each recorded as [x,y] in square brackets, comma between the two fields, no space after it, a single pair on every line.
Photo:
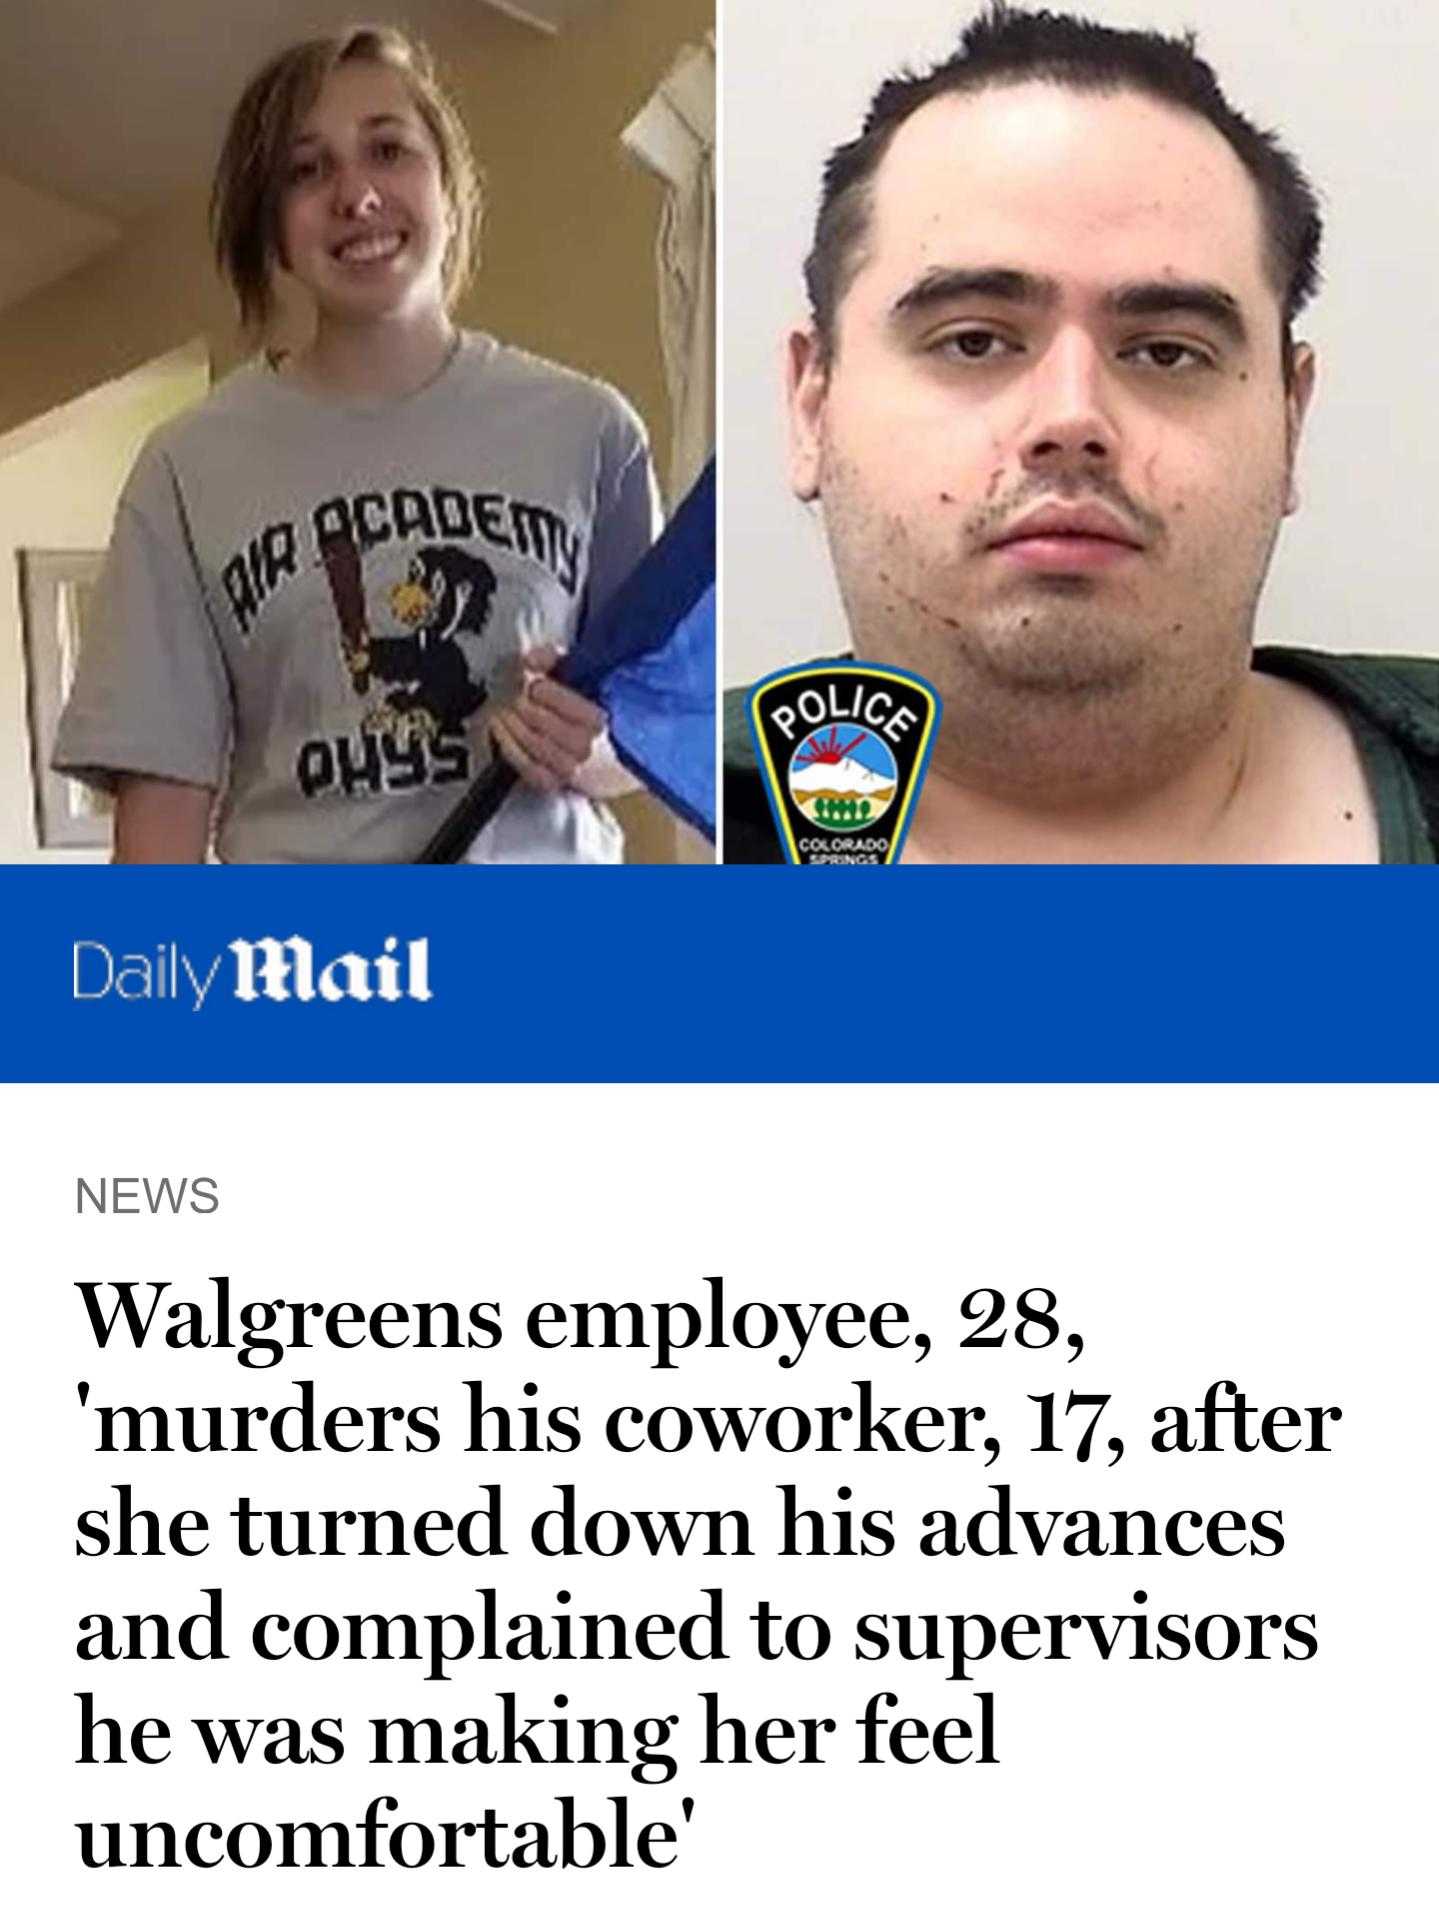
[1007,45]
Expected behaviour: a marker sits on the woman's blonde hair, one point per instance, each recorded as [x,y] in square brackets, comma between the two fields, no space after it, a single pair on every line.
[250,176]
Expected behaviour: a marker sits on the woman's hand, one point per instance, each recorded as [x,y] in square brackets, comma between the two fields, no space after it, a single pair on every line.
[549,733]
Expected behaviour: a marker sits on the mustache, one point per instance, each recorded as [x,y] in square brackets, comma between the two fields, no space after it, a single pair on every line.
[997,514]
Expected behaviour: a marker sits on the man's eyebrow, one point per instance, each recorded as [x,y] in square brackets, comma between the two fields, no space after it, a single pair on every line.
[961,284]
[1020,289]
[1202,298]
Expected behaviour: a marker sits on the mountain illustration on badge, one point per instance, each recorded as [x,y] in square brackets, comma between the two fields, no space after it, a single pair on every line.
[843,748]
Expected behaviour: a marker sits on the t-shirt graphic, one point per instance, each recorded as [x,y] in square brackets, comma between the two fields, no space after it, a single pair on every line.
[419,683]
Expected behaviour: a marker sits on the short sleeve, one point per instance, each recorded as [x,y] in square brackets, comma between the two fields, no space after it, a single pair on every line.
[151,695]
[628,515]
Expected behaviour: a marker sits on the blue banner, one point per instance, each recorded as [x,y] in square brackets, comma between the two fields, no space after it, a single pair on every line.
[677,974]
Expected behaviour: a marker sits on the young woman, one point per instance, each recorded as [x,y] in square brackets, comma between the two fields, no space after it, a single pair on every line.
[334,587]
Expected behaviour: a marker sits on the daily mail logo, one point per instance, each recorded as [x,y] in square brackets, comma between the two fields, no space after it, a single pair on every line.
[278,970]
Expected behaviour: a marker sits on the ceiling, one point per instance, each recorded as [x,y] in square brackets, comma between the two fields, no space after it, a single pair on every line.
[105,113]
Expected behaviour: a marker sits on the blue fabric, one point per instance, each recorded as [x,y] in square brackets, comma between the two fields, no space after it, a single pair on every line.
[649,658]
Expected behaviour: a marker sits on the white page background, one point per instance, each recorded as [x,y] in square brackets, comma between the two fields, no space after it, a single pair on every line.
[1280,1238]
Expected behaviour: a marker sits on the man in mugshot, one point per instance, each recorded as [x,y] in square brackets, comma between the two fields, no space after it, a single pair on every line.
[1049,402]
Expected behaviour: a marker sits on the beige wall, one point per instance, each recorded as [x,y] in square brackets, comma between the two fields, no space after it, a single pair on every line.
[58,484]
[115,314]
[568,264]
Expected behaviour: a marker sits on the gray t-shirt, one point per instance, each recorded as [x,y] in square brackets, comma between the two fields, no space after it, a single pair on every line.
[307,603]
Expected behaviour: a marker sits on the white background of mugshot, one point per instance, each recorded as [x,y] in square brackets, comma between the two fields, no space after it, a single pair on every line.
[1353,92]
[1178,1230]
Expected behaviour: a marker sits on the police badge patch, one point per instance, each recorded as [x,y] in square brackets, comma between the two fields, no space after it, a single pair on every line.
[843,749]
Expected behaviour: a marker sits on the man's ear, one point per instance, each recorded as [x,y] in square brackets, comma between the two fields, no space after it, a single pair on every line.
[806,389]
[1297,398]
